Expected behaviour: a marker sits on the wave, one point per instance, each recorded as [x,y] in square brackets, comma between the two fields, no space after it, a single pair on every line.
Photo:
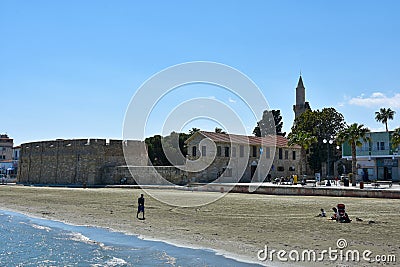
[111,263]
[79,237]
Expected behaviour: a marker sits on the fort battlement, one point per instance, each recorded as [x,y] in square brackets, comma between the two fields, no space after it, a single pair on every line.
[74,161]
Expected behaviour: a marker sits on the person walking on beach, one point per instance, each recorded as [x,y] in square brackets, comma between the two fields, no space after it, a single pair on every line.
[140,206]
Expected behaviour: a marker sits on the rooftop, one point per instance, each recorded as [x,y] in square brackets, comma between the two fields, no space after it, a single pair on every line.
[269,140]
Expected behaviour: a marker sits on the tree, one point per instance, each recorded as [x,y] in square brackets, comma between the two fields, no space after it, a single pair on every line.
[174,148]
[219,130]
[193,130]
[396,138]
[354,135]
[383,115]
[320,124]
[304,140]
[257,131]
[157,144]
[270,120]
[154,151]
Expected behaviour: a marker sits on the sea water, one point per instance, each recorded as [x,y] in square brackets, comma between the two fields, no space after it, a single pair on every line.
[28,241]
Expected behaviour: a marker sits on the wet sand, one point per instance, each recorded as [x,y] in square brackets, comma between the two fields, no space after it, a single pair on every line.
[237,224]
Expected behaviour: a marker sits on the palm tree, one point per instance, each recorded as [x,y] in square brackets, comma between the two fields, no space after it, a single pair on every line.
[354,134]
[219,130]
[193,130]
[396,138]
[383,115]
[304,140]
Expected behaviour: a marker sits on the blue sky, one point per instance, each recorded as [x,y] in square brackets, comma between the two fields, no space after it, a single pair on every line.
[68,69]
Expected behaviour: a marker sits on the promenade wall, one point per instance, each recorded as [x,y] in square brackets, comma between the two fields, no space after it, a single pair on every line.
[304,190]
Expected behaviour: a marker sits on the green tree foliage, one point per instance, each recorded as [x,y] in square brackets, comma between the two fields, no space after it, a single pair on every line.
[304,140]
[154,150]
[396,138]
[354,135]
[193,130]
[158,146]
[219,130]
[324,124]
[383,115]
[257,131]
[270,120]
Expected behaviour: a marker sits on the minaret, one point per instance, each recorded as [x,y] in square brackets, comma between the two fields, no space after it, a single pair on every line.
[301,104]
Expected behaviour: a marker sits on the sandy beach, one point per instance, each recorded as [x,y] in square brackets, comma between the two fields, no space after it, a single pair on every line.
[238,224]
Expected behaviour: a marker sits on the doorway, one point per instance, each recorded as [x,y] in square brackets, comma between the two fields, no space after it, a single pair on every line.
[253,168]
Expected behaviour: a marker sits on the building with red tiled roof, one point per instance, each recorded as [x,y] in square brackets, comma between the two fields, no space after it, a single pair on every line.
[232,158]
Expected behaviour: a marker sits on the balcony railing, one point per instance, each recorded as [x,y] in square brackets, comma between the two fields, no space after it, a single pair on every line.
[374,151]
[374,148]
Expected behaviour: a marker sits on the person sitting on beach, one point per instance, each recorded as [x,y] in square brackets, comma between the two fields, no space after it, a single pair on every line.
[140,206]
[322,214]
[335,215]
[346,218]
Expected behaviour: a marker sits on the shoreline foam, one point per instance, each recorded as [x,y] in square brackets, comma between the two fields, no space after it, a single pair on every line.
[47,224]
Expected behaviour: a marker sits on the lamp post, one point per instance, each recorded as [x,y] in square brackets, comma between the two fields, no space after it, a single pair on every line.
[328,142]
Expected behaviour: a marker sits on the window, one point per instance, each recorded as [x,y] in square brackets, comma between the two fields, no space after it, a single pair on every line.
[219,151]
[280,153]
[227,172]
[380,145]
[254,151]
[280,168]
[292,169]
[226,151]
[203,151]
[268,152]
[194,151]
[286,154]
[234,151]
[241,151]
[294,155]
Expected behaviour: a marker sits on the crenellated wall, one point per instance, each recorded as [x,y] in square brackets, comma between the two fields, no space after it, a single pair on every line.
[75,161]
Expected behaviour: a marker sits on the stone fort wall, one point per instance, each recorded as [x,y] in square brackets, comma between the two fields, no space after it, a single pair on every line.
[147,175]
[76,161]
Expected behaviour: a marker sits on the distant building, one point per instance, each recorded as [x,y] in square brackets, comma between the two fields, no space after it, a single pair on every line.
[7,164]
[6,147]
[376,159]
[301,105]
[13,170]
[224,148]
